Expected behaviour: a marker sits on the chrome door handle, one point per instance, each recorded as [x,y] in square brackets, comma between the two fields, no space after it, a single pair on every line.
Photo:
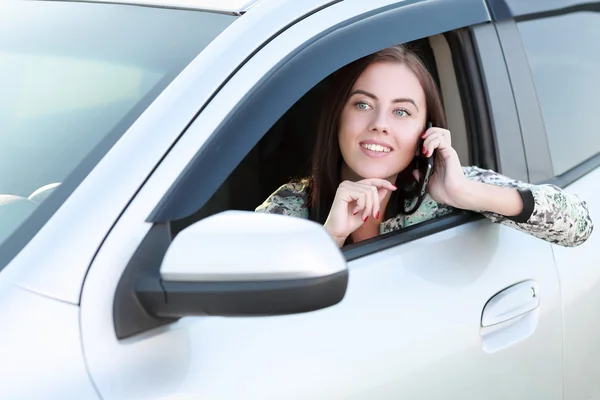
[510,303]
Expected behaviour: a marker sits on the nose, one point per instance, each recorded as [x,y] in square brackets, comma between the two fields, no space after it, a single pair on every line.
[379,122]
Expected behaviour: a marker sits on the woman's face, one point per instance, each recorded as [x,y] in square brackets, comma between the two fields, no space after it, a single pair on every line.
[382,121]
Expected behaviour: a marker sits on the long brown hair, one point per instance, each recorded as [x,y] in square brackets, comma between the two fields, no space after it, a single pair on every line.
[327,157]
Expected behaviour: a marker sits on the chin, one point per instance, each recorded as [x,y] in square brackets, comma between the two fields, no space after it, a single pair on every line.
[380,173]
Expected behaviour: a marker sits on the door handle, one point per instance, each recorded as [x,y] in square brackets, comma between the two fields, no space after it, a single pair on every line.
[510,317]
[510,303]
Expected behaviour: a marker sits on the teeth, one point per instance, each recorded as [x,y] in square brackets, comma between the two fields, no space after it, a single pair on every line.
[376,147]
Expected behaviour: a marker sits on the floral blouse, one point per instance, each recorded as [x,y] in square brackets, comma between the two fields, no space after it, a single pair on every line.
[549,213]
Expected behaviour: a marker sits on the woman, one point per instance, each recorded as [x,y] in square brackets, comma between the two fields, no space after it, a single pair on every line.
[374,124]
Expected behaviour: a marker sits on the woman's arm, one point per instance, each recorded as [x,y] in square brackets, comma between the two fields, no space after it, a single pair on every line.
[544,211]
[289,199]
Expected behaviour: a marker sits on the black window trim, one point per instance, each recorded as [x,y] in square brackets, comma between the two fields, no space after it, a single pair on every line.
[575,173]
[584,6]
[397,23]
[519,10]
[393,239]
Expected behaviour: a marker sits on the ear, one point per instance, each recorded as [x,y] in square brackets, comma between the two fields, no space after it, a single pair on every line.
[417,175]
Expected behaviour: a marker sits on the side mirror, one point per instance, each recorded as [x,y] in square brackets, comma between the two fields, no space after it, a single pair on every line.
[239,263]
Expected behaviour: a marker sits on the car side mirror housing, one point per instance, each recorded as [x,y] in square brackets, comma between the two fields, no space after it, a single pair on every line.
[240,263]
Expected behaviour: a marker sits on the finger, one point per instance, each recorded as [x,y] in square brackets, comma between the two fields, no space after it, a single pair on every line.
[376,194]
[431,146]
[428,132]
[376,202]
[381,192]
[442,136]
[369,203]
[361,202]
[379,183]
[432,131]
[359,195]
[364,204]
[434,142]
[447,137]
[348,193]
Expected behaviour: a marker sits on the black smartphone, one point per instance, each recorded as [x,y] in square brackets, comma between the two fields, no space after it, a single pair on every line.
[425,167]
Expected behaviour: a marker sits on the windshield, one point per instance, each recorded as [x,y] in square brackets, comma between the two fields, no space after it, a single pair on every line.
[73,77]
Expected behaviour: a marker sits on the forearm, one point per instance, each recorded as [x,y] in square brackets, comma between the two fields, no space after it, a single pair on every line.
[479,196]
[546,211]
[339,241]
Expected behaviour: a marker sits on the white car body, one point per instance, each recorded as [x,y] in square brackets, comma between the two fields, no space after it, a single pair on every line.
[410,325]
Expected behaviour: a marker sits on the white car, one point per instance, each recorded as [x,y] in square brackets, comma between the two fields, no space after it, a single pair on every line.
[138,136]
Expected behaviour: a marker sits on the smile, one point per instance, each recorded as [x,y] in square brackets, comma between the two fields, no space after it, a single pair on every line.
[375,147]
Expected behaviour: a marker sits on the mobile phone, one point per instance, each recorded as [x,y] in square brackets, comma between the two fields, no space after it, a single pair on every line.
[425,166]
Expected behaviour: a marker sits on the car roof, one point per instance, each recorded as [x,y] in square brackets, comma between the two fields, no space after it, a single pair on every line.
[235,7]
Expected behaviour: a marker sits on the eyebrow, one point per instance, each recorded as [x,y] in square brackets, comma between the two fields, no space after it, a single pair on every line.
[371,95]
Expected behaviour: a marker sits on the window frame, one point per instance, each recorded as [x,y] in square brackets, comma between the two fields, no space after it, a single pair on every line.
[535,136]
[388,25]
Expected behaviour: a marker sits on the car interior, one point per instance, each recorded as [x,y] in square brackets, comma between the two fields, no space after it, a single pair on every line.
[284,153]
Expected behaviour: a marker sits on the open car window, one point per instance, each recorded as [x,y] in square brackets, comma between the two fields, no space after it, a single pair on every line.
[285,151]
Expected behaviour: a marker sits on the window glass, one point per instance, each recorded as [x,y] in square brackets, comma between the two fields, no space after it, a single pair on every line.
[565,59]
[72,75]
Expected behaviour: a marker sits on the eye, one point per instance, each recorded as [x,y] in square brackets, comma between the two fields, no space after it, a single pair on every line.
[401,112]
[361,105]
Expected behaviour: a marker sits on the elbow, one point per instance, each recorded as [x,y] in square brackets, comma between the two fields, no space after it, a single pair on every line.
[584,233]
[583,228]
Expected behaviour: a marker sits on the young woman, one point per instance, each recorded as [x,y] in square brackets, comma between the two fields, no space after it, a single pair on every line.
[373,128]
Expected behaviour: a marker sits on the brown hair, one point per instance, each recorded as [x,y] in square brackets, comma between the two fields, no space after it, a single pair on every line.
[327,157]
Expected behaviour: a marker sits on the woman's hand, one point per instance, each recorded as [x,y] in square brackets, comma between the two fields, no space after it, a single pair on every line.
[354,202]
[448,183]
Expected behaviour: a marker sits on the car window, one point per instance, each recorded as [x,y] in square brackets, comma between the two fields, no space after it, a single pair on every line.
[74,75]
[565,59]
[284,153]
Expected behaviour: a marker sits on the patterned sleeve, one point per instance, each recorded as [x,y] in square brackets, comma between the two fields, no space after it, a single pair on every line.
[552,214]
[290,199]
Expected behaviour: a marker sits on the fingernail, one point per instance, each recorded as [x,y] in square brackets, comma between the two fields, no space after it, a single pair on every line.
[355,213]
[424,150]
[395,187]
[423,135]
[377,215]
[366,218]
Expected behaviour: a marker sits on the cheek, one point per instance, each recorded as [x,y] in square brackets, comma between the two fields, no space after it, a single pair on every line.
[349,128]
[409,136]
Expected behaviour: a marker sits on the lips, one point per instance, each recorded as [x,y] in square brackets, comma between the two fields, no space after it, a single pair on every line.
[376,146]
[375,149]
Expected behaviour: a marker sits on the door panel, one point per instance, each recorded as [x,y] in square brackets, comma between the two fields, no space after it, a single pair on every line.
[409,326]
[579,271]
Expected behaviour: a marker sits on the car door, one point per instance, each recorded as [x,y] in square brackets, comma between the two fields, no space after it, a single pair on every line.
[427,313]
[552,54]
